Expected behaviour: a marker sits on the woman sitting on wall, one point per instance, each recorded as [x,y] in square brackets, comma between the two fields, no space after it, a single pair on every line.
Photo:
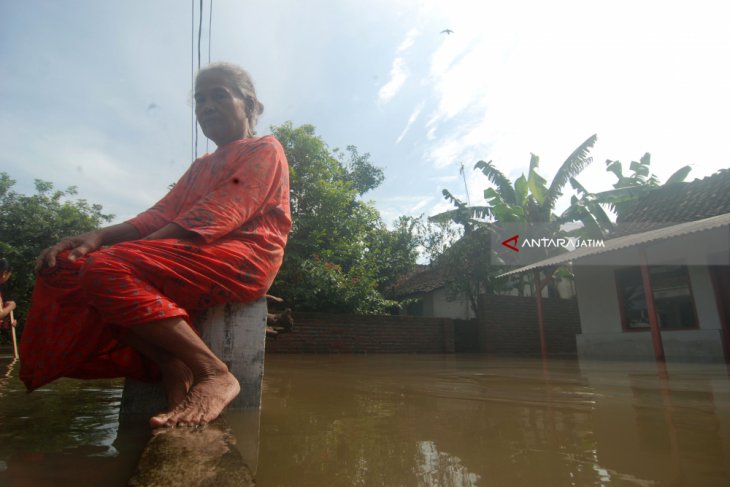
[108,300]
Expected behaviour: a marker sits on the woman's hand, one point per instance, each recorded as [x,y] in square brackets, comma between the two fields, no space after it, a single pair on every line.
[79,245]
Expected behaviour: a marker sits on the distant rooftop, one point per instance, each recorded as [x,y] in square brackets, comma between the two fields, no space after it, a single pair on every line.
[422,280]
[678,203]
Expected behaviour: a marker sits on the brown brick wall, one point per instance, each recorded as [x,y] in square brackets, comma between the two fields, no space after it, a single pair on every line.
[508,325]
[341,333]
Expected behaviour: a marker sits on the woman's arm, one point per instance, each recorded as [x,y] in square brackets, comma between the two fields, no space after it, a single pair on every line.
[172,230]
[122,232]
[87,242]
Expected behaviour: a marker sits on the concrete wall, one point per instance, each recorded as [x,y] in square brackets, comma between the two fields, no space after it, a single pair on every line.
[681,346]
[704,296]
[438,304]
[344,333]
[441,306]
[508,325]
[602,335]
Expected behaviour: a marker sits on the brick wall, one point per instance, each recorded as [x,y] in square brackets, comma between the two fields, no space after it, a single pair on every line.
[342,333]
[508,325]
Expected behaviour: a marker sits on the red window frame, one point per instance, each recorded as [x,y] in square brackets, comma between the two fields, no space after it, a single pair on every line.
[620,290]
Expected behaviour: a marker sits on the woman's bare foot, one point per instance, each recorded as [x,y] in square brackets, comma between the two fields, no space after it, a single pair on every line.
[204,402]
[178,379]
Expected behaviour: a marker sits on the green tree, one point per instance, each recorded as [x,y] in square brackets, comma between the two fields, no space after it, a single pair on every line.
[340,256]
[28,224]
[529,199]
[588,207]
[393,252]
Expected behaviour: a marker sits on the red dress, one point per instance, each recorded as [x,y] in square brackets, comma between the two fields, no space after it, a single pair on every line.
[236,200]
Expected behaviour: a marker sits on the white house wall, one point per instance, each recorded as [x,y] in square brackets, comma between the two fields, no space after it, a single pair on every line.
[602,336]
[597,299]
[704,297]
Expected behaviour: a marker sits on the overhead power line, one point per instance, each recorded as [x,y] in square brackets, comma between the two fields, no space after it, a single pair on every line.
[193,120]
[193,128]
[210,27]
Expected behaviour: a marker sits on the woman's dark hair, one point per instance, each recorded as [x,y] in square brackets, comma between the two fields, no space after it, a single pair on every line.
[5,265]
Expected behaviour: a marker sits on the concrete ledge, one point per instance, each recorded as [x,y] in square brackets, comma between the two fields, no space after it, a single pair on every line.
[703,346]
[615,346]
[236,333]
[207,456]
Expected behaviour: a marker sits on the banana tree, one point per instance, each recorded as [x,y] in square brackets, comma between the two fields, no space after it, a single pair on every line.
[588,207]
[529,199]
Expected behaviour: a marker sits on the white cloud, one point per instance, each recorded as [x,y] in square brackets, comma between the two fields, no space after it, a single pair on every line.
[414,115]
[444,179]
[104,170]
[544,88]
[408,41]
[398,71]
[420,205]
[466,143]
[440,207]
[391,207]
[398,76]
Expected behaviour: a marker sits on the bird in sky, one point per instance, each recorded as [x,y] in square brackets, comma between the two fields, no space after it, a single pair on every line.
[447,31]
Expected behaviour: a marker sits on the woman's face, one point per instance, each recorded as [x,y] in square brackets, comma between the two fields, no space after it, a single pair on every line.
[221,113]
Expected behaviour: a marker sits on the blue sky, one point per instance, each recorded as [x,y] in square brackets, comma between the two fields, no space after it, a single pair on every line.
[97,94]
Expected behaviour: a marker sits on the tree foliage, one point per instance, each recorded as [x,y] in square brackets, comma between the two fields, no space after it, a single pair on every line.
[340,256]
[529,199]
[28,224]
[588,207]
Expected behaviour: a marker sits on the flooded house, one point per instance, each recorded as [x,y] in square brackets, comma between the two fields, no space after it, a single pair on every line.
[660,286]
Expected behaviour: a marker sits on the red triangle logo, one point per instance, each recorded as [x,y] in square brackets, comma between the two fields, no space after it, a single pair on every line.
[512,239]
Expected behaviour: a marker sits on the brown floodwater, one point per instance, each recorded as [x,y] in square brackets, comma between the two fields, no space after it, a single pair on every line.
[408,420]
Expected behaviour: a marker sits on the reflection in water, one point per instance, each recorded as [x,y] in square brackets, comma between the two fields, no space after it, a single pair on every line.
[440,468]
[393,420]
[63,433]
[457,421]
[675,416]
[668,427]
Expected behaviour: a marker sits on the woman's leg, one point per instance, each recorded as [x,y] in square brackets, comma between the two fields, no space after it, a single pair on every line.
[146,288]
[213,386]
[176,376]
